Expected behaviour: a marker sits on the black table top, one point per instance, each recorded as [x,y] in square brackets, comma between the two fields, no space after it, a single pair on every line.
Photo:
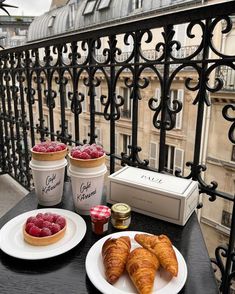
[66,273]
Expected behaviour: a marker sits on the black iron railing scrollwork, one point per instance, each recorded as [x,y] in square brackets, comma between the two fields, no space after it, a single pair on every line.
[50,81]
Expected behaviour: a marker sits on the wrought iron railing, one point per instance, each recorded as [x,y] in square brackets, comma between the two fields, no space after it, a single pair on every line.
[43,70]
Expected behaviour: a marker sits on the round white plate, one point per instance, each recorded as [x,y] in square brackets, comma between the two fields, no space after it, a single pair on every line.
[163,284]
[12,240]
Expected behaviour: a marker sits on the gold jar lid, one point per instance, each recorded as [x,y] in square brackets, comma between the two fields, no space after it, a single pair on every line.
[121,210]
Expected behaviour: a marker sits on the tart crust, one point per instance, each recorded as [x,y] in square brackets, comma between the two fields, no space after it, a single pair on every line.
[87,163]
[48,156]
[43,241]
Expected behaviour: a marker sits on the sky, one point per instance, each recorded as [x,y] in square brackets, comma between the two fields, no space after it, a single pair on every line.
[27,7]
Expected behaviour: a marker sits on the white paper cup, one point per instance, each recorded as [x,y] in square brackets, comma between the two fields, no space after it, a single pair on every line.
[87,186]
[48,177]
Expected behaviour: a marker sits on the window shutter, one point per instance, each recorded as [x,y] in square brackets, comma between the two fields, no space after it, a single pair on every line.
[179,159]
[179,115]
[157,95]
[153,160]
[97,99]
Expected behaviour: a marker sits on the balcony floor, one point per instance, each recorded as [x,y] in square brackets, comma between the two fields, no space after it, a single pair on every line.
[10,193]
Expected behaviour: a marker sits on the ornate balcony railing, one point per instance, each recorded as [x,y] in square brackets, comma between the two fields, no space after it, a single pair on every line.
[42,71]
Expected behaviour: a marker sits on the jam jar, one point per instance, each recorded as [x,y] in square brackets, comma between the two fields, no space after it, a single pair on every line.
[120,216]
[100,215]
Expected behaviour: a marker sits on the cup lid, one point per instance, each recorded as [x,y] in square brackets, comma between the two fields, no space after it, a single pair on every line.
[100,212]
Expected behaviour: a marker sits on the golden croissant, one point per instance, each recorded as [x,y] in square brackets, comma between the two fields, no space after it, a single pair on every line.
[115,253]
[142,266]
[162,247]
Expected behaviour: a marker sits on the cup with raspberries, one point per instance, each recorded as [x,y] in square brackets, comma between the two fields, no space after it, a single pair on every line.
[48,164]
[87,169]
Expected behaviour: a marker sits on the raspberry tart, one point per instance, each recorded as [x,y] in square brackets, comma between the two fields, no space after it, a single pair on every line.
[49,150]
[44,229]
[87,155]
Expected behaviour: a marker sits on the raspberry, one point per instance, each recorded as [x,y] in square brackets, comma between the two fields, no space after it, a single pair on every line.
[62,145]
[34,231]
[76,154]
[94,154]
[55,216]
[101,153]
[31,219]
[47,224]
[39,215]
[87,150]
[42,149]
[36,148]
[48,217]
[99,148]
[45,232]
[84,155]
[61,222]
[58,148]
[55,228]
[52,146]
[39,222]
[51,149]
[28,227]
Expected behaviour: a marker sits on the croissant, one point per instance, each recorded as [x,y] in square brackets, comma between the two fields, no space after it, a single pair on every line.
[162,247]
[115,253]
[142,266]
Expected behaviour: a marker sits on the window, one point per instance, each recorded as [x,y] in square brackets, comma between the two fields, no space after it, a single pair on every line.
[126,109]
[71,15]
[180,35]
[126,142]
[226,219]
[173,159]
[90,7]
[104,4]
[51,21]
[136,4]
[174,95]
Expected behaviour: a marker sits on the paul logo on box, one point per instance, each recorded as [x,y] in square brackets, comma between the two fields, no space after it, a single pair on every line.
[152,179]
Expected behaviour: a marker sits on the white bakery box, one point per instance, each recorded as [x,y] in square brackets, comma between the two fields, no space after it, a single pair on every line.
[155,194]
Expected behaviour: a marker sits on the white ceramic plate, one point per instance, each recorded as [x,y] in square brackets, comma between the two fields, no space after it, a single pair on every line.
[12,241]
[163,284]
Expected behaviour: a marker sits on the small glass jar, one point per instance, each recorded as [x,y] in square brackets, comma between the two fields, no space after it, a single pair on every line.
[100,215]
[120,216]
